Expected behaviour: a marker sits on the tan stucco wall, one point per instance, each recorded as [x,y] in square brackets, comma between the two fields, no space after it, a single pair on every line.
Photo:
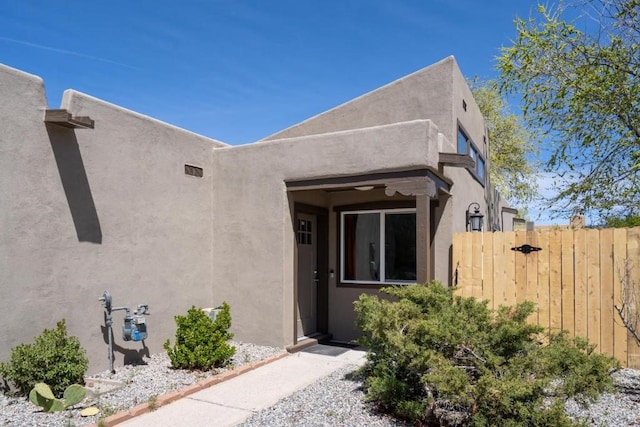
[425,94]
[436,93]
[254,241]
[111,208]
[91,210]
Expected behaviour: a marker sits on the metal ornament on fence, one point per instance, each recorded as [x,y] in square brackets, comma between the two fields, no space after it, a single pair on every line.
[526,249]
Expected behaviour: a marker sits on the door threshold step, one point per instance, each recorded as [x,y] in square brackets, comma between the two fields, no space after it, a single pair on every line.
[308,342]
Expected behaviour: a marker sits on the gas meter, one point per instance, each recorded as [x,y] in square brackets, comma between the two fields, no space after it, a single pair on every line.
[135,326]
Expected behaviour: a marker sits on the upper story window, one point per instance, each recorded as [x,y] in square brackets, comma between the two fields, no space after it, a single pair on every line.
[466,146]
[480,168]
[378,246]
[463,142]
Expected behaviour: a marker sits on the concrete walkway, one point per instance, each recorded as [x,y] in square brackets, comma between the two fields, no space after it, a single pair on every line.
[231,402]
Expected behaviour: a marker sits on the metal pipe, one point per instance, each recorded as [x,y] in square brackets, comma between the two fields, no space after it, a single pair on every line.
[106,303]
[140,312]
[109,323]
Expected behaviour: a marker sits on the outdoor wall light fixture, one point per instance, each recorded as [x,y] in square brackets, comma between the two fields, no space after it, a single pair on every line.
[474,219]
[364,187]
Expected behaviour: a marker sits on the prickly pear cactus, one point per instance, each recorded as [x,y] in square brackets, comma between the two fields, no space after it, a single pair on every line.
[41,395]
[74,395]
[56,405]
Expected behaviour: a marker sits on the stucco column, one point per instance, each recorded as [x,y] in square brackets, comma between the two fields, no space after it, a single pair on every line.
[424,267]
[423,188]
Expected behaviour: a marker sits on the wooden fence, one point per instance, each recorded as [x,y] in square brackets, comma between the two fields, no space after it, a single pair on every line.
[574,279]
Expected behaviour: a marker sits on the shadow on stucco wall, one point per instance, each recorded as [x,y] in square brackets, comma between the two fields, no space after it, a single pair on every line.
[75,183]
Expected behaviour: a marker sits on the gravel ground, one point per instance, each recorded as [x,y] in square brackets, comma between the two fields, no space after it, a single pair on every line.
[338,400]
[609,410]
[619,409]
[141,384]
[335,400]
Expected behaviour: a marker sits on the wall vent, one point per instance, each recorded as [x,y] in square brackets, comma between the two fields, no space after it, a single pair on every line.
[193,171]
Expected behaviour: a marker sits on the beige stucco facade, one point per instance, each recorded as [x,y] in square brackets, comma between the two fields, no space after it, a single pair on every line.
[89,210]
[111,208]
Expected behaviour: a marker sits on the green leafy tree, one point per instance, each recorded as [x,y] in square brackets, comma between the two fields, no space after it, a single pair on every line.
[512,145]
[622,222]
[577,69]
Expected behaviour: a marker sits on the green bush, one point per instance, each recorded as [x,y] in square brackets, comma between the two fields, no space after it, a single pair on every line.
[201,343]
[54,358]
[437,358]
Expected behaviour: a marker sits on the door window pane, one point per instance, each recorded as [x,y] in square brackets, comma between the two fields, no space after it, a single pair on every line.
[304,232]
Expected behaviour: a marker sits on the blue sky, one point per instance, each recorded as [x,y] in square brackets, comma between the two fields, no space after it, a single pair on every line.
[240,70]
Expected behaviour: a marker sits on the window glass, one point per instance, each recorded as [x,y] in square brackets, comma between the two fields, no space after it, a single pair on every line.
[304,232]
[480,168]
[462,142]
[362,247]
[378,246]
[465,146]
[400,247]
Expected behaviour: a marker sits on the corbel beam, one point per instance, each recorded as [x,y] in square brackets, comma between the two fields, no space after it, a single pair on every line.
[62,117]
[411,186]
[456,160]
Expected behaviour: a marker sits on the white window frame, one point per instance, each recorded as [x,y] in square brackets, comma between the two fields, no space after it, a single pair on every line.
[382,272]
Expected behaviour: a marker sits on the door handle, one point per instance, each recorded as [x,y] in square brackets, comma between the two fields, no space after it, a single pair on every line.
[316,276]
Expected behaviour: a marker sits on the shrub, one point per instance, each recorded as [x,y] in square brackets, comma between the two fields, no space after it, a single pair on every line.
[54,358]
[437,358]
[201,343]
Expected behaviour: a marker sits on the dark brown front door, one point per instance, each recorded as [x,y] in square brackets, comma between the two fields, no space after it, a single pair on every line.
[307,303]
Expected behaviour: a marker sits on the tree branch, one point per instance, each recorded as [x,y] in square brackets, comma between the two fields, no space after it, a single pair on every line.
[468,350]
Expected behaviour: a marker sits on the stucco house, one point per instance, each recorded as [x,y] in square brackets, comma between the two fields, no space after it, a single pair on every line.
[289,230]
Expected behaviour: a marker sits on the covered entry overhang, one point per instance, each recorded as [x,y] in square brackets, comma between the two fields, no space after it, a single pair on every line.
[316,201]
[423,184]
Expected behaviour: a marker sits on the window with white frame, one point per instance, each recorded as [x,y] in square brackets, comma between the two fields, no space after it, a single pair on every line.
[378,246]
[466,146]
